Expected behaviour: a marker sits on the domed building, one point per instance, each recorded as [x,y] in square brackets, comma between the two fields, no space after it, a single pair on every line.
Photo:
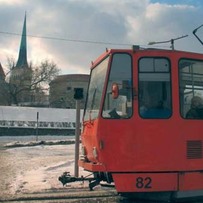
[62,90]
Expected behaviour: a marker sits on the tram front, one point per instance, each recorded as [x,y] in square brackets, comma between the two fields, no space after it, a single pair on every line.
[108,113]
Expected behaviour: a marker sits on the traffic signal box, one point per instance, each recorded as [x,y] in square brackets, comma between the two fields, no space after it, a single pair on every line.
[78,93]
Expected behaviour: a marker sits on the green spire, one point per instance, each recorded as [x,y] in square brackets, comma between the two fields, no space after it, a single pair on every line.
[22,58]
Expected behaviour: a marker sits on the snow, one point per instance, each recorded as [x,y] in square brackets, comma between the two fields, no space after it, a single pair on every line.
[11,113]
[31,117]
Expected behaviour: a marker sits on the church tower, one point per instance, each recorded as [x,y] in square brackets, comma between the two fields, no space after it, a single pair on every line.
[21,74]
[22,57]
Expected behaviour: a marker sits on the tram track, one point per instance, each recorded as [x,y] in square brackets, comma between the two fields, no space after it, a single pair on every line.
[80,195]
[65,196]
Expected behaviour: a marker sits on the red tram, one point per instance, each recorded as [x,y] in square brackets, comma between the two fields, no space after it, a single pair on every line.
[136,129]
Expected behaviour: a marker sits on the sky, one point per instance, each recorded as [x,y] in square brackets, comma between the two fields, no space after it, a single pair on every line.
[72,33]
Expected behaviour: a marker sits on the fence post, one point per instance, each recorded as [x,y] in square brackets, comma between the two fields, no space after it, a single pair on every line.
[37,126]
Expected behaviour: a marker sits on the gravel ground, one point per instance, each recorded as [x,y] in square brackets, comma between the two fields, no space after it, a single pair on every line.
[34,169]
[7,172]
[30,174]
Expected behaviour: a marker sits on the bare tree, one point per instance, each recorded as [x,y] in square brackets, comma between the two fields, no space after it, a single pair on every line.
[31,83]
[43,75]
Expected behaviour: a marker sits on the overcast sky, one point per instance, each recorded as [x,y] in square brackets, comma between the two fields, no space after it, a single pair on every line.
[91,26]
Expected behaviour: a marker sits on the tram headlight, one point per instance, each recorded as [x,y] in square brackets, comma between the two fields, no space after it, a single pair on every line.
[94,152]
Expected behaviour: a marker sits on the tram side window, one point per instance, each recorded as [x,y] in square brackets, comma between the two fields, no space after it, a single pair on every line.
[154,88]
[191,88]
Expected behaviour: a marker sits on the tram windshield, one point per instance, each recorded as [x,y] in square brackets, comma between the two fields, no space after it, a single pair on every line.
[121,76]
[96,86]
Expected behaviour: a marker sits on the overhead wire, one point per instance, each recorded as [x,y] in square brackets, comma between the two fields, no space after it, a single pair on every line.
[68,40]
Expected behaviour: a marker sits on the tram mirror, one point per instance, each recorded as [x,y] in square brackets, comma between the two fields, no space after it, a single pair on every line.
[115,91]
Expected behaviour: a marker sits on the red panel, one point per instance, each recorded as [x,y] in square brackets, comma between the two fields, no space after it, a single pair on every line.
[91,166]
[191,181]
[89,138]
[145,182]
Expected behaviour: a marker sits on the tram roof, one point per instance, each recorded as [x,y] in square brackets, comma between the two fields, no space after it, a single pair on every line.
[137,49]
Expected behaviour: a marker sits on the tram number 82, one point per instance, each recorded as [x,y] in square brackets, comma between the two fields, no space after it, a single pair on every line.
[143,182]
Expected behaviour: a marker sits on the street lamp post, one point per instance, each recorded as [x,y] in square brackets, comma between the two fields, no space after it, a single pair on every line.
[77,96]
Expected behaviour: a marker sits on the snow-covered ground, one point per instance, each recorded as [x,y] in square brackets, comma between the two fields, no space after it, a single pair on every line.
[31,169]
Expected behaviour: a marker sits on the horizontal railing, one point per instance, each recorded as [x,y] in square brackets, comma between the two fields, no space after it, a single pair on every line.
[34,124]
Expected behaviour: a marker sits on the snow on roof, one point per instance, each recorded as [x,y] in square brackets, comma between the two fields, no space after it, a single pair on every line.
[71,77]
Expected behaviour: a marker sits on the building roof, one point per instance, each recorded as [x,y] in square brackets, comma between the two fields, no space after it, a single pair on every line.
[71,77]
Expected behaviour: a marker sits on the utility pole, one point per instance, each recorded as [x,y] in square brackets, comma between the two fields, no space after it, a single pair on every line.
[77,96]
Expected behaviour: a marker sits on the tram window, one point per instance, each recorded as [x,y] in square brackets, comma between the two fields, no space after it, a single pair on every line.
[191,88]
[120,74]
[154,88]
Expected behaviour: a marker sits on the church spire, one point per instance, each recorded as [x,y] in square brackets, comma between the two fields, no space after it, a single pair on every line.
[22,58]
